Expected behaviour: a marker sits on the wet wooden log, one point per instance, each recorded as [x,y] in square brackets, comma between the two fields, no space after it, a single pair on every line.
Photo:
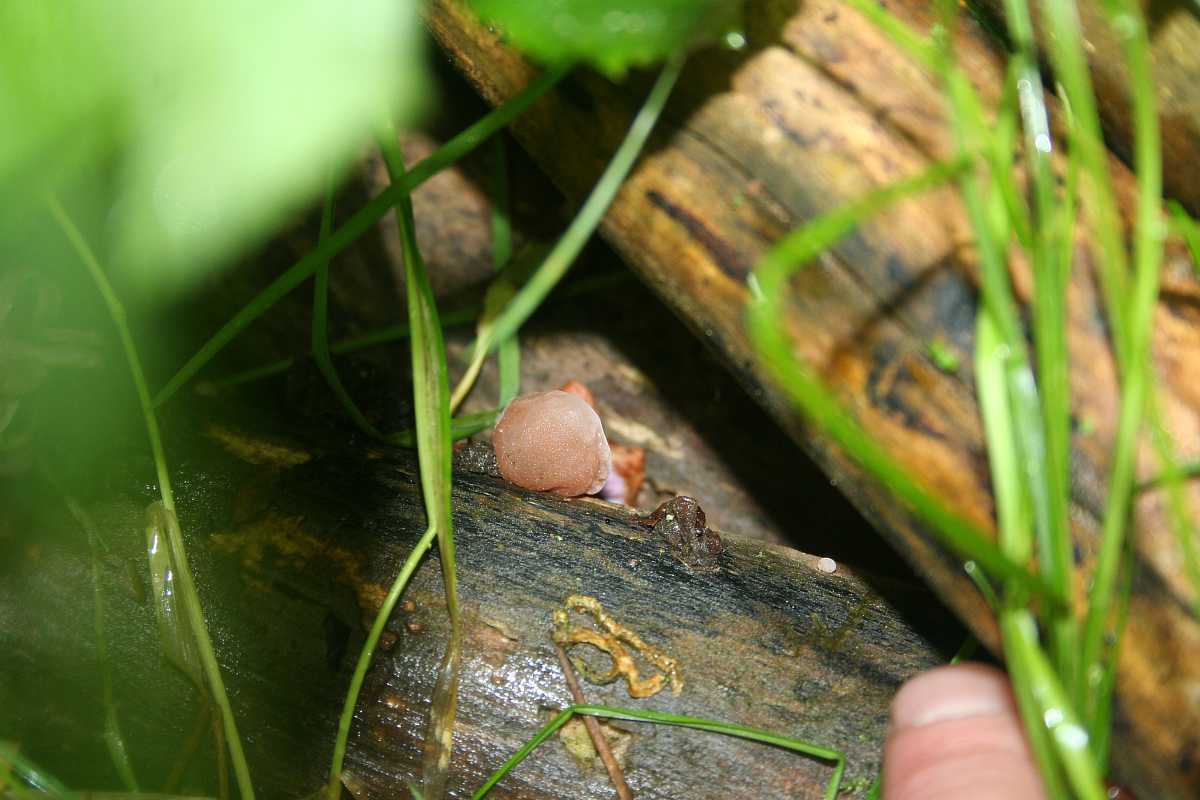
[818,110]
[294,546]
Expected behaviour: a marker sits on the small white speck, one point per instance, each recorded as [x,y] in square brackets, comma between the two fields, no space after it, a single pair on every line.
[1072,736]
[827,565]
[735,40]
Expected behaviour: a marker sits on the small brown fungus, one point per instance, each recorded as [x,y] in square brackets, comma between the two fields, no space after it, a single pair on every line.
[581,389]
[628,473]
[552,442]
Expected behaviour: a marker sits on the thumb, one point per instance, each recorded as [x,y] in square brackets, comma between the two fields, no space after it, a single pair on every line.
[955,734]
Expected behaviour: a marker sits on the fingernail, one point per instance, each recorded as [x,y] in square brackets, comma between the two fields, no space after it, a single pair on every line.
[959,692]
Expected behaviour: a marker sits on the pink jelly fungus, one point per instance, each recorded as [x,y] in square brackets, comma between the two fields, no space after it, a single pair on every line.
[552,442]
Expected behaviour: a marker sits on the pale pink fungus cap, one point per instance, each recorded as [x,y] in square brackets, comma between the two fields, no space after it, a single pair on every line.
[552,442]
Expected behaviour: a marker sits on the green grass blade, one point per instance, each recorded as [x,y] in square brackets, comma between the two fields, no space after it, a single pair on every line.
[917,46]
[1182,470]
[1002,144]
[431,403]
[775,351]
[334,786]
[499,293]
[431,394]
[114,740]
[1183,224]
[1012,510]
[580,230]
[42,782]
[1068,737]
[1136,365]
[1016,535]
[175,633]
[1103,722]
[1026,690]
[187,586]
[1179,506]
[320,326]
[508,353]
[1045,488]
[398,332]
[461,427]
[1069,60]
[965,650]
[392,333]
[980,579]
[662,718]
[359,224]
[1054,224]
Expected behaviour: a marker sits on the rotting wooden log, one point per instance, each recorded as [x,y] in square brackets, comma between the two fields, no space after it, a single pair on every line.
[294,546]
[820,109]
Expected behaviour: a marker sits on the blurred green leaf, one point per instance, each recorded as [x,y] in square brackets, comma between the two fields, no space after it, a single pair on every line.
[199,126]
[612,35]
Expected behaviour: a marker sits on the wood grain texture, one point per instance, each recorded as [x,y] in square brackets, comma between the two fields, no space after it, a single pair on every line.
[819,110]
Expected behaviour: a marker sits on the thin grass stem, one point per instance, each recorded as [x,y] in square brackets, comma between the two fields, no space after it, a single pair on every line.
[1071,69]
[187,585]
[399,331]
[1071,742]
[319,342]
[1188,229]
[392,333]
[1136,366]
[662,718]
[917,46]
[358,224]
[114,740]
[775,351]
[560,258]
[1179,506]
[1181,470]
[1051,274]
[334,786]
[38,779]
[508,354]
[1015,532]
[431,404]
[1026,690]
[1103,722]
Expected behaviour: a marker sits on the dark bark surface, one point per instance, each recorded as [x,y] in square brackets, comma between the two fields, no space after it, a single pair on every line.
[295,550]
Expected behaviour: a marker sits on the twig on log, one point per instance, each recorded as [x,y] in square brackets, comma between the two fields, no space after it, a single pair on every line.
[593,728]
